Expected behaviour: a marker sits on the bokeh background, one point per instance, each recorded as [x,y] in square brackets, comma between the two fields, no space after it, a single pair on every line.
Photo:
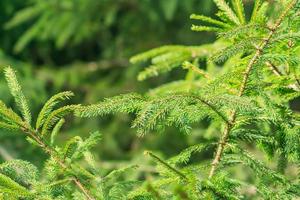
[84,46]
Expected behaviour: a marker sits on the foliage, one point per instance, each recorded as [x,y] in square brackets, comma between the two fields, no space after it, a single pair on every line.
[63,176]
[93,68]
[104,29]
[243,84]
[239,87]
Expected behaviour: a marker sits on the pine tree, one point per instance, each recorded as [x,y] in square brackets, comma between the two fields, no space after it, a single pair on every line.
[241,85]
[63,177]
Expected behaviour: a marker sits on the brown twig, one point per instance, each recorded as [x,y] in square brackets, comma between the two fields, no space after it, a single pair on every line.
[255,58]
[274,69]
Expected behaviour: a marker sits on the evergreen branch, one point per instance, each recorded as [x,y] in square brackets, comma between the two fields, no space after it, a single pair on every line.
[257,166]
[17,93]
[255,11]
[259,12]
[55,116]
[239,9]
[208,20]
[8,126]
[185,155]
[118,172]
[205,28]
[188,65]
[10,186]
[235,49]
[8,116]
[241,31]
[213,108]
[56,129]
[277,72]
[53,153]
[223,6]
[207,103]
[127,103]
[83,189]
[159,108]
[166,165]
[251,64]
[49,105]
[274,69]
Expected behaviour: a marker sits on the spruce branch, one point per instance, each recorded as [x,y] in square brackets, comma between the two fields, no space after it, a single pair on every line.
[17,93]
[278,73]
[251,64]
[165,164]
[190,66]
[274,69]
[49,105]
[54,154]
[208,104]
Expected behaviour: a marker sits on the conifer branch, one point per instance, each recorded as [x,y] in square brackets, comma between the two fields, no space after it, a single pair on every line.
[212,107]
[175,171]
[52,153]
[188,65]
[17,93]
[274,69]
[251,64]
[277,72]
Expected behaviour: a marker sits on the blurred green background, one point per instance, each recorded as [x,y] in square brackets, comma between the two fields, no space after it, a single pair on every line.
[84,46]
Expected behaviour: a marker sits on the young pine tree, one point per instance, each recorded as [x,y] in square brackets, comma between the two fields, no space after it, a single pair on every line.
[242,84]
[63,176]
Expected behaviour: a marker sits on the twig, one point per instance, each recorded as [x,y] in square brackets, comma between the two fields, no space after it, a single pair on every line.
[52,152]
[274,69]
[175,171]
[255,58]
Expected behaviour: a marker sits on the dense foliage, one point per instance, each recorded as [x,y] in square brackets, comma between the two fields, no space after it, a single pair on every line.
[234,103]
[93,68]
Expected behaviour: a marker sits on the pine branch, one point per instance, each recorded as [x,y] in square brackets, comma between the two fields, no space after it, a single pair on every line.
[239,9]
[223,6]
[53,153]
[188,65]
[166,165]
[48,107]
[251,64]
[208,104]
[17,93]
[256,8]
[208,20]
[274,69]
